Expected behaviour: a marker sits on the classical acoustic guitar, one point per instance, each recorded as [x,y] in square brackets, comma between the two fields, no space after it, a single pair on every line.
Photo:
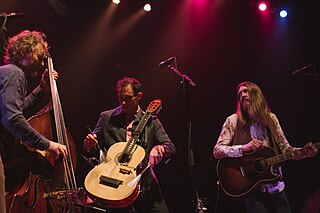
[112,182]
[241,176]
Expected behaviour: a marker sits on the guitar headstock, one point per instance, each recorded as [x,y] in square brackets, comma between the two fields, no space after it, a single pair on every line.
[154,106]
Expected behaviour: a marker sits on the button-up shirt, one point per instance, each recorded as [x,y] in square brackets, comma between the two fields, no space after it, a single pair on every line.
[223,147]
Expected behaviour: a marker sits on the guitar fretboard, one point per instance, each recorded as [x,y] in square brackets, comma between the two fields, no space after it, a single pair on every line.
[153,107]
[290,155]
[130,145]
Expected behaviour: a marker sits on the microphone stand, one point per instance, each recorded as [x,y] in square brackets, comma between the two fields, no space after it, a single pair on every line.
[185,82]
[3,29]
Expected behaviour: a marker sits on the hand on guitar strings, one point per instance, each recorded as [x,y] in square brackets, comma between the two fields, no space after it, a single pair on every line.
[308,151]
[253,146]
[156,155]
[56,149]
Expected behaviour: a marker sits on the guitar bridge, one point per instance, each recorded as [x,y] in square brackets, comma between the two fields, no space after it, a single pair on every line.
[110,181]
[125,171]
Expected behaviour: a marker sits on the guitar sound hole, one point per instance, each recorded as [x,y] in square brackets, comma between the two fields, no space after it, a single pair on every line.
[124,158]
[260,165]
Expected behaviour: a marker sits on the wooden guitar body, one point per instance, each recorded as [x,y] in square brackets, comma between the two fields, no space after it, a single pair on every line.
[240,176]
[109,181]
[114,182]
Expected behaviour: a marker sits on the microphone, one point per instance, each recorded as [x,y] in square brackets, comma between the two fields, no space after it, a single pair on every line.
[304,70]
[166,62]
[10,14]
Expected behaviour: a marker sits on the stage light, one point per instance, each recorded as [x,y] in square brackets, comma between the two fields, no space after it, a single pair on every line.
[116,1]
[147,7]
[262,6]
[283,13]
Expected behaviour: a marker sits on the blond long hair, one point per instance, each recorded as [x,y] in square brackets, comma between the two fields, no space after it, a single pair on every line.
[258,105]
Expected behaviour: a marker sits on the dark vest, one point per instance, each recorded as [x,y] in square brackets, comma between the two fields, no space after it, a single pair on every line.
[242,134]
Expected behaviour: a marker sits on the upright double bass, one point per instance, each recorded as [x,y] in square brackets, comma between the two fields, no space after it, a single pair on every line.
[51,185]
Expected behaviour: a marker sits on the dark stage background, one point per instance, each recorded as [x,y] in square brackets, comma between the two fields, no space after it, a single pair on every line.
[218,43]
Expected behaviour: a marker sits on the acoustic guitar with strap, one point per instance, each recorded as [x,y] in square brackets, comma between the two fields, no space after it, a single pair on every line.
[241,176]
[111,182]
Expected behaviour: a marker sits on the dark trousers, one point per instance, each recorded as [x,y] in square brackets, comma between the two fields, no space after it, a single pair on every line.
[151,206]
[143,204]
[260,202]
[157,207]
[2,188]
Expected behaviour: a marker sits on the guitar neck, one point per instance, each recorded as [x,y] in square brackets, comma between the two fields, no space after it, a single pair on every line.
[130,145]
[143,122]
[289,155]
[153,107]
